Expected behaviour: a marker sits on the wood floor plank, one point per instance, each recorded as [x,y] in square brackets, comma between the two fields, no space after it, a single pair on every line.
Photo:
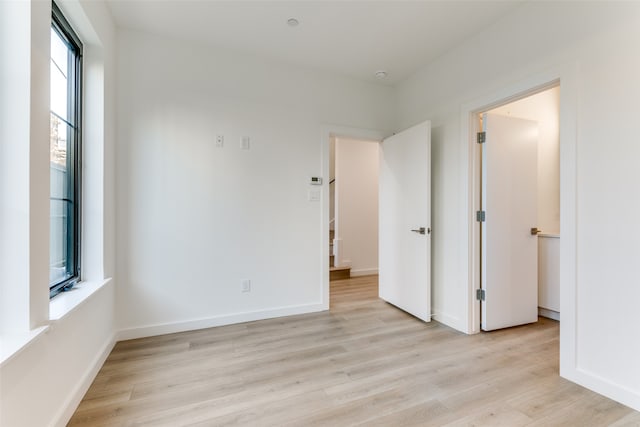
[364,362]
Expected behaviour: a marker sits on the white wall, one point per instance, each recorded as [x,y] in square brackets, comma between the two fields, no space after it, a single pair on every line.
[543,108]
[42,383]
[15,158]
[596,40]
[195,220]
[356,165]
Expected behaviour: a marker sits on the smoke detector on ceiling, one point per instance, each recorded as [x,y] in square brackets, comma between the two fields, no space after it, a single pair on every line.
[381,74]
[292,22]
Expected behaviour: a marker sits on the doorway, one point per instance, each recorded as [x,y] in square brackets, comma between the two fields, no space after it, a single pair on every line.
[353,207]
[403,207]
[518,155]
[328,134]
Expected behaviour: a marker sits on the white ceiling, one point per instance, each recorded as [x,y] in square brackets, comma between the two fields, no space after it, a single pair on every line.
[354,38]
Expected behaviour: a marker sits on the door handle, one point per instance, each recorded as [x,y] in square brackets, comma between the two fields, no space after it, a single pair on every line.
[535,231]
[422,230]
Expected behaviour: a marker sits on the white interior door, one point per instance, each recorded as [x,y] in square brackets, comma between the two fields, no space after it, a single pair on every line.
[404,209]
[509,199]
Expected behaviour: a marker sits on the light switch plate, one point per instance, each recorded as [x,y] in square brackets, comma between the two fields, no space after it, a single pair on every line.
[314,195]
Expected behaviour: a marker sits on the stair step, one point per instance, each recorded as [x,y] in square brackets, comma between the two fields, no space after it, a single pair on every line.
[339,273]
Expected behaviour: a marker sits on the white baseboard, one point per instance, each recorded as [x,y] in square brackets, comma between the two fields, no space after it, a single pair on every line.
[617,392]
[210,322]
[364,272]
[70,406]
[549,313]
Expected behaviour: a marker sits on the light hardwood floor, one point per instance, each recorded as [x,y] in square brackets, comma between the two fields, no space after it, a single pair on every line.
[363,363]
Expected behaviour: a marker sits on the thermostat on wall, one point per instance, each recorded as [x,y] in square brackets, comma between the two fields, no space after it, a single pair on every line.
[316,180]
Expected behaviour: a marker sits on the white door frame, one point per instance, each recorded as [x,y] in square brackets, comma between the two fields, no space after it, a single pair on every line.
[329,131]
[567,77]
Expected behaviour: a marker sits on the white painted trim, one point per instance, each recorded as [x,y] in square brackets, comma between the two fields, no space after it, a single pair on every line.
[471,200]
[568,77]
[13,345]
[65,303]
[210,322]
[74,399]
[600,385]
[545,312]
[364,272]
[569,95]
[59,307]
[328,131]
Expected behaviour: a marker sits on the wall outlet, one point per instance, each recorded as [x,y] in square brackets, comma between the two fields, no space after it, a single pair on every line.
[246,143]
[220,141]
[246,286]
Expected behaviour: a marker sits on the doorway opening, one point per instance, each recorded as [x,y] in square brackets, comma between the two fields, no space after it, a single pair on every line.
[518,192]
[353,210]
[403,208]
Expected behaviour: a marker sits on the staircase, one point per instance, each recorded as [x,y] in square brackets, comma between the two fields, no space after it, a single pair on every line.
[336,273]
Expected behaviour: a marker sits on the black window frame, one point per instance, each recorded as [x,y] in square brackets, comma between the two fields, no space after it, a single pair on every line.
[74,150]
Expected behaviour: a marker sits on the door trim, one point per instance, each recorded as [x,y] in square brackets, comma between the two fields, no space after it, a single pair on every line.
[330,131]
[567,77]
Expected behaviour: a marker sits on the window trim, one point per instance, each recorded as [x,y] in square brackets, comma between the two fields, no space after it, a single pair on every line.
[60,24]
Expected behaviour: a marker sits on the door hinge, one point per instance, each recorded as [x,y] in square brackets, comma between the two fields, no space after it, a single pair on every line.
[482,137]
[480,294]
[481,216]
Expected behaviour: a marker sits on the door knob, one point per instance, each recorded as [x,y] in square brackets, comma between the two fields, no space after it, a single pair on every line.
[421,230]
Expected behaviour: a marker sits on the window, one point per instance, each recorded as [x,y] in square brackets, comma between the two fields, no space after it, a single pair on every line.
[65,154]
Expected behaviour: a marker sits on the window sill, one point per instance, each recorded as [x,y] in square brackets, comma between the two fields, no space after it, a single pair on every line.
[13,344]
[65,302]
[59,307]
